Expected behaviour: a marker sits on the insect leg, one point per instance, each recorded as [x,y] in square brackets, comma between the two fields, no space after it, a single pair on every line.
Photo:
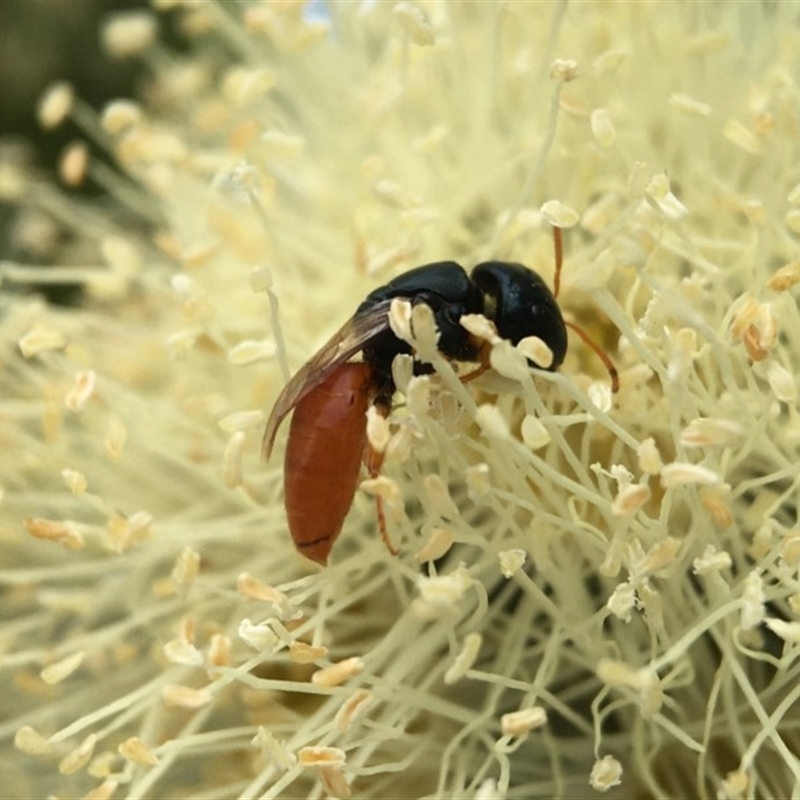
[373,461]
[483,364]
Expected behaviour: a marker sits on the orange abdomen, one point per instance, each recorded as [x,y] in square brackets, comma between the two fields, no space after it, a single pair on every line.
[323,458]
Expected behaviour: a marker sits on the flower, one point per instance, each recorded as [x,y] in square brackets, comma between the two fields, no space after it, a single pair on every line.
[605,587]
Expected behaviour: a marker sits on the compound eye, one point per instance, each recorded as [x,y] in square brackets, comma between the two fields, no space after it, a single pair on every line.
[547,323]
[521,305]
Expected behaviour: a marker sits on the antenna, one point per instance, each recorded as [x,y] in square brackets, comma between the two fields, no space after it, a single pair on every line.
[558,248]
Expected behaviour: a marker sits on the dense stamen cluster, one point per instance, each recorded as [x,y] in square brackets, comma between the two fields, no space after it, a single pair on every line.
[594,593]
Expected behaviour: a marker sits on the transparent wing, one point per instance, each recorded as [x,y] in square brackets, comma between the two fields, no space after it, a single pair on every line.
[341,347]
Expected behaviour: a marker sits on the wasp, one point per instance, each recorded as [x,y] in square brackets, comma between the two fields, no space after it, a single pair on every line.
[330,394]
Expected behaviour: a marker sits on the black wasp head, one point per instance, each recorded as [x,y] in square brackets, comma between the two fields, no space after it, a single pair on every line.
[520,304]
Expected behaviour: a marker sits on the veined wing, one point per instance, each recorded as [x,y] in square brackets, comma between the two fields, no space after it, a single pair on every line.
[341,347]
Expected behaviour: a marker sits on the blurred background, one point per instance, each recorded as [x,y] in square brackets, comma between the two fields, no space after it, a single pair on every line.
[42,41]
